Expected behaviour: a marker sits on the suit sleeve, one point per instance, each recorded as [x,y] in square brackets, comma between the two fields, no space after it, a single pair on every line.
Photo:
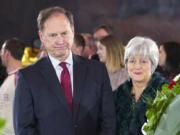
[23,112]
[108,115]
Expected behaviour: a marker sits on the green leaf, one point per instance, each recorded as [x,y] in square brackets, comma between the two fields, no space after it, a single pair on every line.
[2,124]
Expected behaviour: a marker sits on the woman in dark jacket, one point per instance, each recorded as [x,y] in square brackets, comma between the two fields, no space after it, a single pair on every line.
[141,59]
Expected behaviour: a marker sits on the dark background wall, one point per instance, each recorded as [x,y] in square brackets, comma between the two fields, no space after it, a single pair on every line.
[158,19]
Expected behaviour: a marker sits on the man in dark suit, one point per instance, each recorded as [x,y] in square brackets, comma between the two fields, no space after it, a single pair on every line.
[62,94]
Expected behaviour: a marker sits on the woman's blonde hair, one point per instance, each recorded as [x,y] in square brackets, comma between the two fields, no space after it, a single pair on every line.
[114,52]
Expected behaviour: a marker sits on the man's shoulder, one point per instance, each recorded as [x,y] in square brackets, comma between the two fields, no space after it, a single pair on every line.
[87,62]
[35,66]
[92,69]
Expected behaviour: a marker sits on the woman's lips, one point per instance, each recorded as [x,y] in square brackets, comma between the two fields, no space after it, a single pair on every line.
[138,73]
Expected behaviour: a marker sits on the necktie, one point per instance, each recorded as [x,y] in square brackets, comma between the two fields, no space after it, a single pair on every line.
[66,83]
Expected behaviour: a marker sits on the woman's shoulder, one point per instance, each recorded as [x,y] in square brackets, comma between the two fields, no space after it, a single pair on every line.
[158,80]
[123,90]
[118,78]
[155,84]
[158,76]
[122,72]
[126,85]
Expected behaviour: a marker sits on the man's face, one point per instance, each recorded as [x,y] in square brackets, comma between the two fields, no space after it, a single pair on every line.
[100,33]
[57,36]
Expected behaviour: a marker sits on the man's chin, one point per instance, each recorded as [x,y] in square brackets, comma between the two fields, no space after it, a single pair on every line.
[62,56]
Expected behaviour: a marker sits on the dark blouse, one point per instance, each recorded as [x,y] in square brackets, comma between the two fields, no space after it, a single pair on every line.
[131,114]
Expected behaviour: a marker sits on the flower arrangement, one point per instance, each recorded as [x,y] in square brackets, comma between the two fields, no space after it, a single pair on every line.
[163,114]
[2,123]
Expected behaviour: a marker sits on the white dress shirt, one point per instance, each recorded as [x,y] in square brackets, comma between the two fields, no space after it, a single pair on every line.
[6,102]
[58,68]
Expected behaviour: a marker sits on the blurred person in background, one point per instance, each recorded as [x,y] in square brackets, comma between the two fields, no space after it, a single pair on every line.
[78,45]
[141,59]
[3,73]
[11,55]
[111,52]
[102,31]
[169,59]
[90,47]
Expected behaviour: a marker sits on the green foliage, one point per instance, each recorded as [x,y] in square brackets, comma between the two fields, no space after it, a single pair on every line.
[159,105]
[178,133]
[2,123]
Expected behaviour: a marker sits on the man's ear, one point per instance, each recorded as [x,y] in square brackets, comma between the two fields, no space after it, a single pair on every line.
[40,35]
[7,53]
[73,29]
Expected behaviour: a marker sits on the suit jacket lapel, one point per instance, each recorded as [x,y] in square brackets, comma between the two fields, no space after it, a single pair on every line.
[79,71]
[53,83]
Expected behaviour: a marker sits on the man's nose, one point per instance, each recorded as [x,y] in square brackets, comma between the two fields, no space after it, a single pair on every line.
[59,39]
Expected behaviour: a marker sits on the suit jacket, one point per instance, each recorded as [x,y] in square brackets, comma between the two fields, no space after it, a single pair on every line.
[40,106]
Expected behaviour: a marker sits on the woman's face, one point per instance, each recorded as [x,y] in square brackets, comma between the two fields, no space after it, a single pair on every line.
[101,51]
[162,56]
[139,68]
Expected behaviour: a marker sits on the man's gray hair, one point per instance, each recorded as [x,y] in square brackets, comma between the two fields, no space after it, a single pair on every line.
[48,12]
[144,46]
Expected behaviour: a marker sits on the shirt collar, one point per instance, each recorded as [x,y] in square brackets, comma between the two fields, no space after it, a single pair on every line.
[14,71]
[55,62]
